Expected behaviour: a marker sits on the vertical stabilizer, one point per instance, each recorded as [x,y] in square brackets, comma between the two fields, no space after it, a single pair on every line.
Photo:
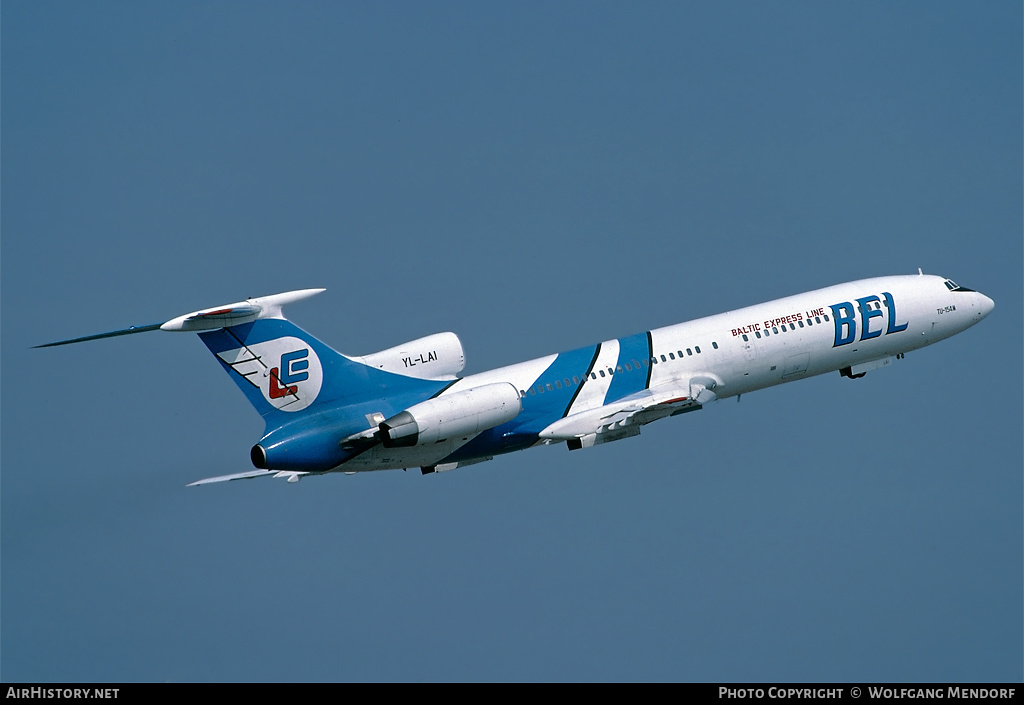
[283,371]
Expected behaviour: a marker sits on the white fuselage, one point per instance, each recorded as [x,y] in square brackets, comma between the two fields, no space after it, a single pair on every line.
[616,386]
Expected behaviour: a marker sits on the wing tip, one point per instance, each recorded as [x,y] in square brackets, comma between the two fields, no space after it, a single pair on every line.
[228,478]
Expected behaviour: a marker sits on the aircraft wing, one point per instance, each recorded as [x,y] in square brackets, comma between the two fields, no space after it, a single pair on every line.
[292,477]
[624,417]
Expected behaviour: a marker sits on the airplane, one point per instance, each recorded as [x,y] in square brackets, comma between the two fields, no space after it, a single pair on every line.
[408,407]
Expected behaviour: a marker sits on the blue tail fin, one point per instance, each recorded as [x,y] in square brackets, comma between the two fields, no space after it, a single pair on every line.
[283,370]
[287,374]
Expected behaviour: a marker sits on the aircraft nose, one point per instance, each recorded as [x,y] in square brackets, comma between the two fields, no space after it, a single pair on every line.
[985,305]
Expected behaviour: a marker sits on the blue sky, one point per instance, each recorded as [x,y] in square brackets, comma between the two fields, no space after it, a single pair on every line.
[534,177]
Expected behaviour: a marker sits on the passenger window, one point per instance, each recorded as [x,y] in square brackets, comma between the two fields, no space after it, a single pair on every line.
[757,333]
[775,330]
[575,379]
[602,372]
[826,316]
[628,368]
[548,385]
[817,319]
[566,381]
[672,355]
[800,323]
[715,345]
[557,384]
[532,391]
[695,347]
[745,339]
[664,360]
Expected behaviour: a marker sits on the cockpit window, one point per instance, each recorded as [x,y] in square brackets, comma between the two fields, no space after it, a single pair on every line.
[953,286]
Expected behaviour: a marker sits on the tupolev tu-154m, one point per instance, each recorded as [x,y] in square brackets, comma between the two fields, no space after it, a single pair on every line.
[407,406]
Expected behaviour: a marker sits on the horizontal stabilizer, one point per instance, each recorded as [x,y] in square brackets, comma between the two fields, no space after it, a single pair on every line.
[225,316]
[211,318]
[111,334]
[238,313]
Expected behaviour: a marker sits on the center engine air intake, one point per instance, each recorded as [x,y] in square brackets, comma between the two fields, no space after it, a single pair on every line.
[455,415]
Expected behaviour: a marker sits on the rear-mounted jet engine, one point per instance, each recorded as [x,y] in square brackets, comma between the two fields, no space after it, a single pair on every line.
[455,415]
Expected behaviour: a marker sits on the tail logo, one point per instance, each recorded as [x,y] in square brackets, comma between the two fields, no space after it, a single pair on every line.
[281,383]
[286,370]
